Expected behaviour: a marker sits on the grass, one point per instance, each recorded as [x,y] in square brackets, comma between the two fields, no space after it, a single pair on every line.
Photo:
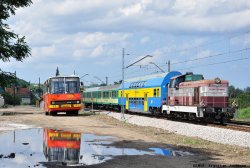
[244,113]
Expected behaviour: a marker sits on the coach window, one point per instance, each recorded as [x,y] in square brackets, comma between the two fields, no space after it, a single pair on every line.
[154,92]
[116,93]
[133,85]
[158,92]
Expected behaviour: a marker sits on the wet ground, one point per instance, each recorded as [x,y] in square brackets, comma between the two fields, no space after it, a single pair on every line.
[101,141]
[39,147]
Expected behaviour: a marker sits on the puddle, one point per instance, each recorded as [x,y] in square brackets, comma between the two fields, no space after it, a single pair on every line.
[37,147]
[8,113]
[6,126]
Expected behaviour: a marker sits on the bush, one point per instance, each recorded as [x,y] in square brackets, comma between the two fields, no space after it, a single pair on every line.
[244,113]
[244,100]
[9,99]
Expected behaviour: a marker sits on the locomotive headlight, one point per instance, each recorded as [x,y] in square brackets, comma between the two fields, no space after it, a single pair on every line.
[217,80]
[53,102]
[78,102]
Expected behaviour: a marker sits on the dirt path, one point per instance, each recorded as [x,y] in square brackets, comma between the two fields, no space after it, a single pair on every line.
[206,153]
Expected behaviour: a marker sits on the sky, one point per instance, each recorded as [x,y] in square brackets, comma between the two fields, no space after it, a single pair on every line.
[209,37]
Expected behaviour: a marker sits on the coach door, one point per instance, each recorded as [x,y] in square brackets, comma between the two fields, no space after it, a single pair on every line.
[127,101]
[145,102]
[196,96]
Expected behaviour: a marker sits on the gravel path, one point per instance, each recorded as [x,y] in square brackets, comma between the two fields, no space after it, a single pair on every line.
[219,135]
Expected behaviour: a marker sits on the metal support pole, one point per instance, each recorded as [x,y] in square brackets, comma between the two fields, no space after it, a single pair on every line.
[106,81]
[168,65]
[39,87]
[123,80]
[92,104]
[122,108]
[14,93]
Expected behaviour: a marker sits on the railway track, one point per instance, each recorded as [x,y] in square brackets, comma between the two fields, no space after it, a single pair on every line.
[232,125]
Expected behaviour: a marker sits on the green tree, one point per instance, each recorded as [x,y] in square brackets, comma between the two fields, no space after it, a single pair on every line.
[234,92]
[9,99]
[57,71]
[11,44]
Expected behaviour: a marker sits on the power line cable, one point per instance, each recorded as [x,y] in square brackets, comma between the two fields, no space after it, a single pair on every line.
[216,63]
[215,55]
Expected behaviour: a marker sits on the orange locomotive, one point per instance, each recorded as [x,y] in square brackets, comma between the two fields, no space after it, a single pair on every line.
[62,94]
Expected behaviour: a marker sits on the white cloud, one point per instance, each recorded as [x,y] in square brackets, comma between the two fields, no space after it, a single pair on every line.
[72,32]
[96,44]
[132,10]
[44,51]
[98,51]
[204,54]
[145,40]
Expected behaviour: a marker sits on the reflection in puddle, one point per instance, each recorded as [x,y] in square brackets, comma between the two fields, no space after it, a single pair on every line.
[40,147]
[168,152]
[61,146]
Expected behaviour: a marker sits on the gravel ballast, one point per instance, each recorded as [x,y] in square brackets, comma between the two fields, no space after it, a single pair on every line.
[218,135]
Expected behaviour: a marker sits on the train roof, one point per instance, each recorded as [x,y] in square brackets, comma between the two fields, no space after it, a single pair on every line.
[204,82]
[110,87]
[150,80]
[103,88]
[91,89]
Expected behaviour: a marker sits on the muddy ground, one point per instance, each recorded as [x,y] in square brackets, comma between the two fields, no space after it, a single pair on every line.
[206,154]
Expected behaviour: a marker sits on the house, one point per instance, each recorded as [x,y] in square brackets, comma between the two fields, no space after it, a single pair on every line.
[23,93]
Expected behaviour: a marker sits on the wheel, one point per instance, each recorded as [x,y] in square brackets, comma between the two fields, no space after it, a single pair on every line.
[75,113]
[223,120]
[46,113]
[53,113]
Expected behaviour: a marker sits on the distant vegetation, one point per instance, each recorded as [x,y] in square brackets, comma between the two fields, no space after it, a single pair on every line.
[243,99]
[10,99]
[242,96]
[244,113]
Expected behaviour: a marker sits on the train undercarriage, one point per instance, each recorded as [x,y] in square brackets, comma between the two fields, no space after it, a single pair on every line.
[206,115]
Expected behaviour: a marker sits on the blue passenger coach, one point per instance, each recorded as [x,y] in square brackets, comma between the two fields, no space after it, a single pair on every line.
[145,94]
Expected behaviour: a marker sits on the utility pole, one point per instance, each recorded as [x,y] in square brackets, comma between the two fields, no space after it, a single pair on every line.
[123,80]
[106,81]
[39,87]
[14,93]
[122,112]
[168,65]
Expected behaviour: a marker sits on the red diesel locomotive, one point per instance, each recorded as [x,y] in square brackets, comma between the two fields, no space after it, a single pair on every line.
[190,96]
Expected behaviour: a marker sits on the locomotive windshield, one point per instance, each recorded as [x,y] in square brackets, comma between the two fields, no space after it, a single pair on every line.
[64,85]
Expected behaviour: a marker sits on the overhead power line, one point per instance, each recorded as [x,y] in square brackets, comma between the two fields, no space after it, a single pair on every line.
[229,37]
[216,63]
[215,55]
